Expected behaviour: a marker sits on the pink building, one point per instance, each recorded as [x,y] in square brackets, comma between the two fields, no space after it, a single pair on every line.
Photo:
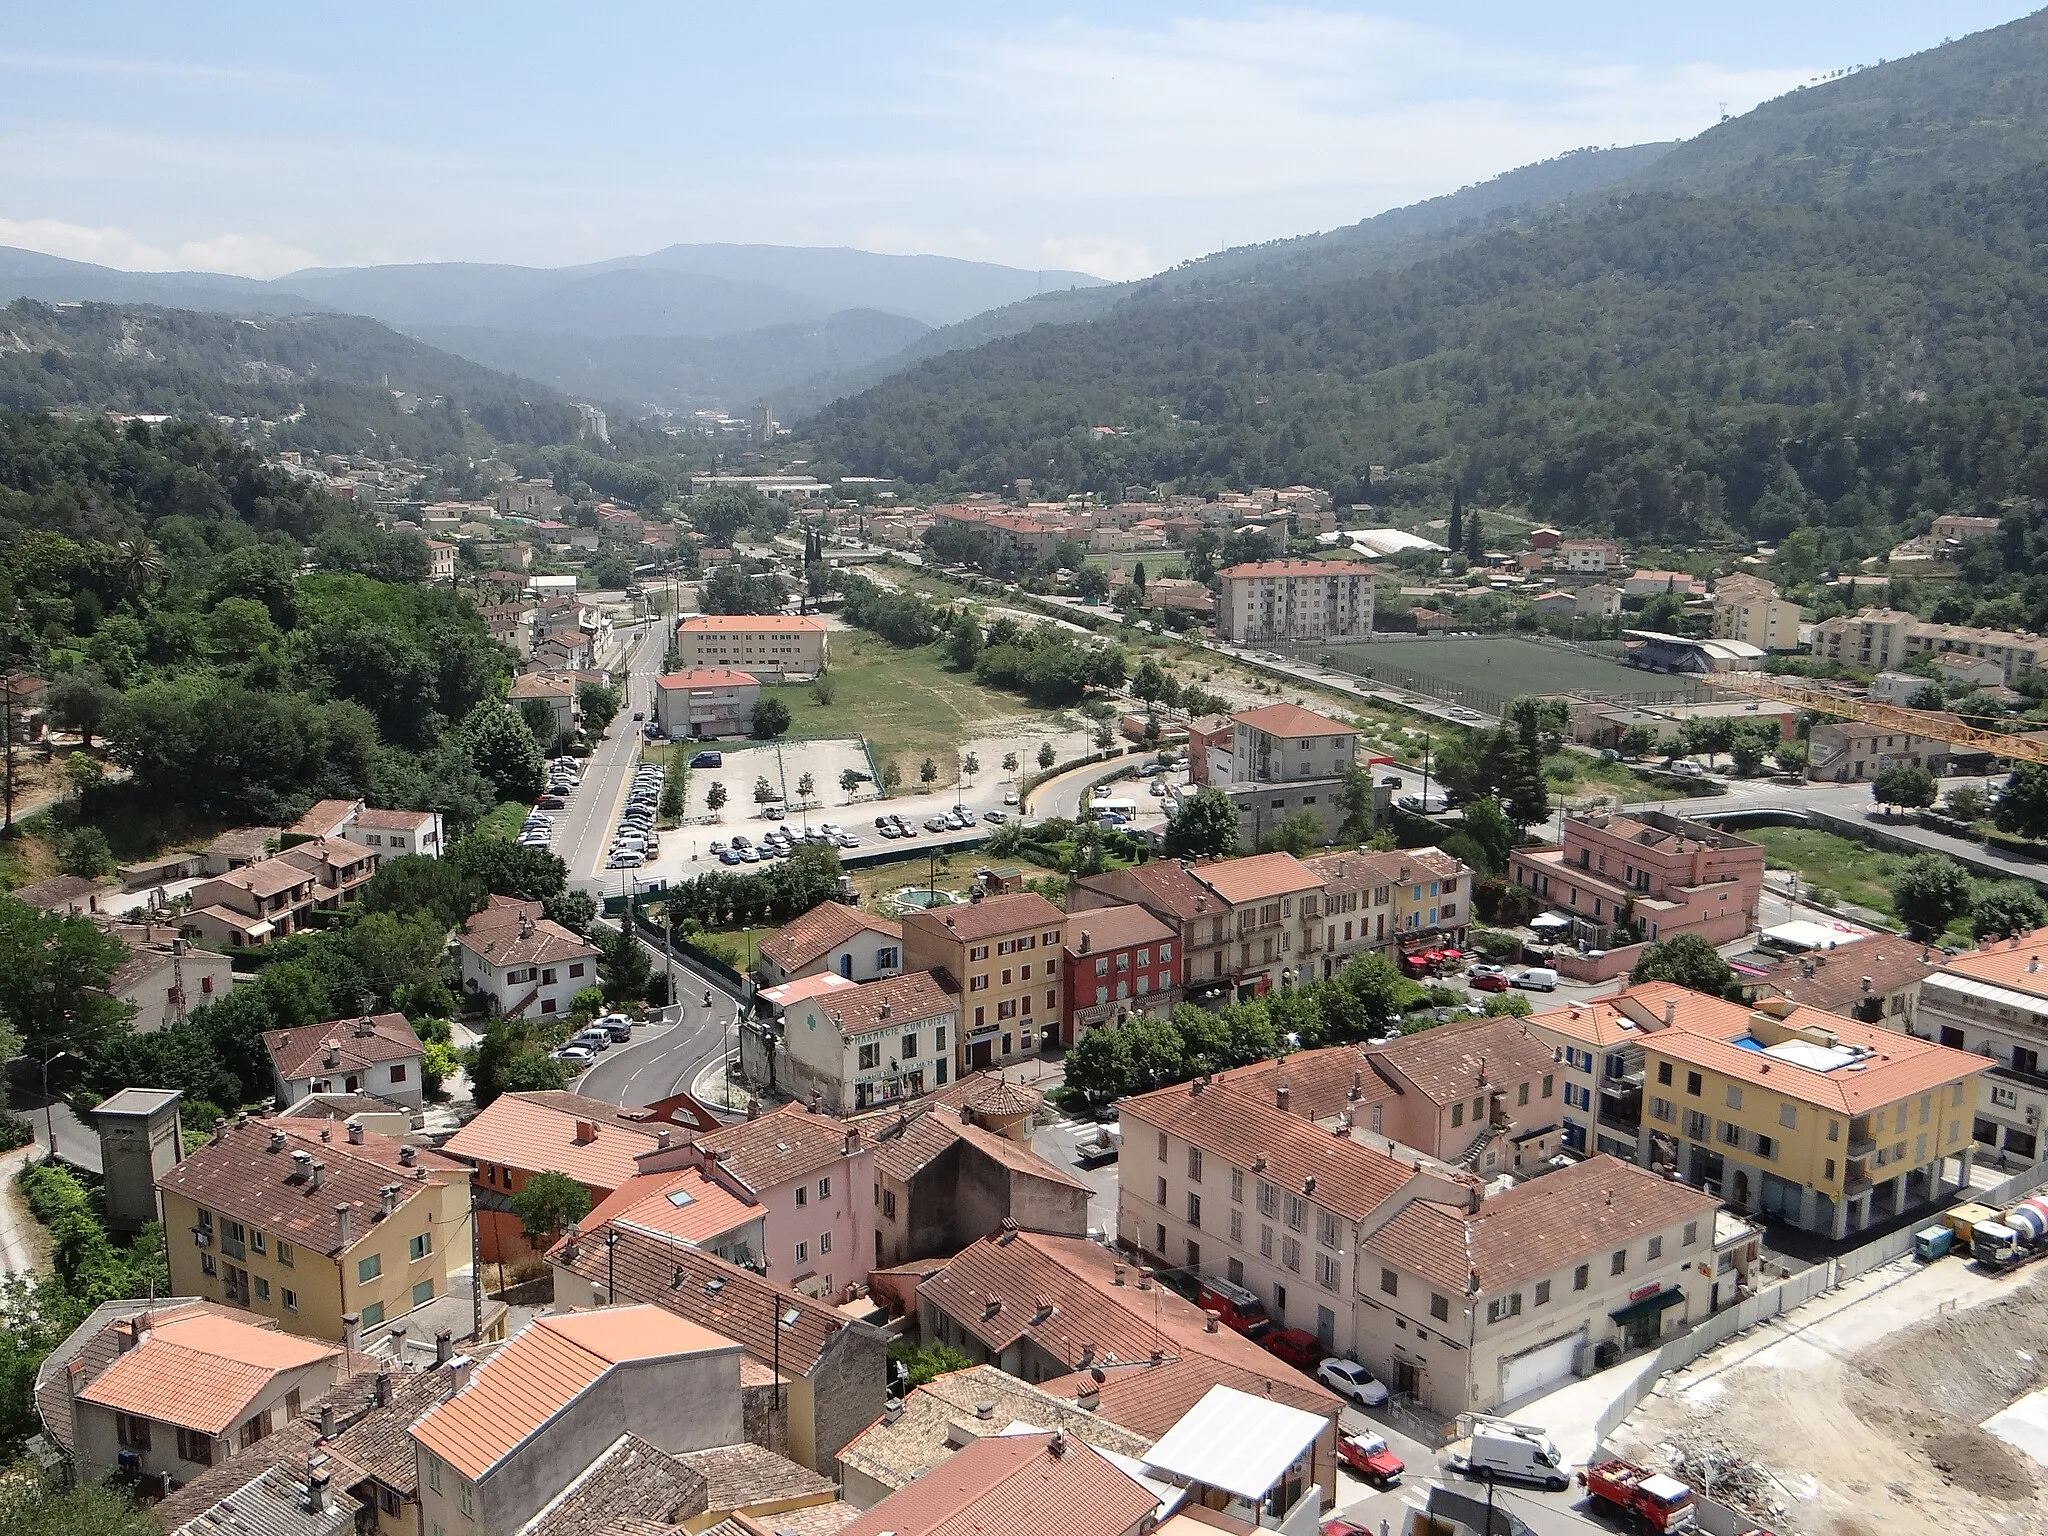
[814,1178]
[1667,874]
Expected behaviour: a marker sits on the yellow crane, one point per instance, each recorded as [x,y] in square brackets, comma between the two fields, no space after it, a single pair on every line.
[1937,724]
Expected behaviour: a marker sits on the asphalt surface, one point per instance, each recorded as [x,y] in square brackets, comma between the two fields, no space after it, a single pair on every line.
[1059,1143]
[664,1059]
[583,828]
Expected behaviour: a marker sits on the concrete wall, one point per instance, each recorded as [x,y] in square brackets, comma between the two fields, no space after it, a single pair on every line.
[848,1390]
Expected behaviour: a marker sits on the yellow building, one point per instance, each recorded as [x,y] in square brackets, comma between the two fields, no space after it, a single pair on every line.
[1004,953]
[768,646]
[307,1223]
[1820,1121]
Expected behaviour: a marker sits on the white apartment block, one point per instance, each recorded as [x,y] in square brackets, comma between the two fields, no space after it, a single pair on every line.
[1281,600]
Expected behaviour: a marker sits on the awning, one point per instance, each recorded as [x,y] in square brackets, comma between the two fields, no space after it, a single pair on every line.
[1649,1306]
[1551,920]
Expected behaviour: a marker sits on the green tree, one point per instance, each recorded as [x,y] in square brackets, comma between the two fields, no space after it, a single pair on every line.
[83,851]
[2022,806]
[849,781]
[625,968]
[512,1057]
[806,786]
[547,1205]
[1296,834]
[892,774]
[1205,826]
[1748,748]
[1454,535]
[1689,961]
[674,787]
[598,702]
[1091,582]
[1149,681]
[1929,891]
[1904,784]
[1508,1004]
[1967,802]
[970,765]
[54,973]
[1526,800]
[964,646]
[35,1504]
[2003,908]
[1046,755]
[1155,1051]
[1637,741]
[1098,1071]
[715,797]
[1490,831]
[1790,756]
[83,701]
[504,751]
[503,868]
[415,883]
[1009,762]
[927,771]
[922,1363]
[771,719]
[1475,539]
[83,774]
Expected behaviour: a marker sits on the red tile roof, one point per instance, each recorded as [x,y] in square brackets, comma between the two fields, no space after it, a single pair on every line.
[805,939]
[1262,877]
[1447,1063]
[893,1002]
[750,622]
[521,1131]
[201,1372]
[687,1204]
[1014,1485]
[297,1053]
[1149,1399]
[1293,720]
[1018,912]
[708,677]
[1109,928]
[779,1148]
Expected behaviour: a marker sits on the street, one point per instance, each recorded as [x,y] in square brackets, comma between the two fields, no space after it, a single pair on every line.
[664,1059]
[583,828]
[1059,1143]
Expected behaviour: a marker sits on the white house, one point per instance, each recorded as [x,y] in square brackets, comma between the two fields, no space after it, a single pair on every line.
[522,962]
[378,1056]
[832,937]
[858,1045]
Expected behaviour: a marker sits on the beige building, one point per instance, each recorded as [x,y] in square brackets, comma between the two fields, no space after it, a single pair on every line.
[1270,601]
[165,977]
[323,1233]
[1748,608]
[1874,638]
[1244,924]
[767,646]
[1003,952]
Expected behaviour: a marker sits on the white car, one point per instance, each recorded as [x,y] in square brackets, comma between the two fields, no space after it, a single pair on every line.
[1350,1380]
[625,861]
[576,1055]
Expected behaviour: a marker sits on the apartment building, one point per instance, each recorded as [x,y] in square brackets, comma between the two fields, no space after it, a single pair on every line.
[275,897]
[1010,1482]
[832,938]
[1748,608]
[944,1180]
[1595,556]
[1239,920]
[1994,1004]
[1878,982]
[387,834]
[1003,953]
[320,1233]
[706,705]
[847,1046]
[1874,638]
[2013,654]
[1599,1053]
[1660,583]
[1221,1183]
[1850,752]
[767,646]
[164,975]
[813,1176]
[1664,873]
[612,1396]
[169,1388]
[1120,961]
[1355,906]
[703,1207]
[555,689]
[1274,601]
[1823,1122]
[377,1055]
[1474,1307]
[1285,759]
[524,963]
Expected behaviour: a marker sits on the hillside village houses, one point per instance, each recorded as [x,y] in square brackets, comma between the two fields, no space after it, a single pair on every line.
[522,962]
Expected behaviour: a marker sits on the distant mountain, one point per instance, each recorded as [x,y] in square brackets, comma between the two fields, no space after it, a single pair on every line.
[32,275]
[690,373]
[330,383]
[1970,110]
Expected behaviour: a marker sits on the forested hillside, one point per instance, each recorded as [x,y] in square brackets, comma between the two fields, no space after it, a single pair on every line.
[331,382]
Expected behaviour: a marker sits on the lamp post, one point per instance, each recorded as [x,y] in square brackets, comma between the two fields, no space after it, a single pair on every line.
[49,1118]
[611,1274]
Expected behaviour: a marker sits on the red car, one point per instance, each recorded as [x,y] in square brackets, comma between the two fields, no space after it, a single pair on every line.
[1337,1525]
[1297,1346]
[1370,1458]
[1489,983]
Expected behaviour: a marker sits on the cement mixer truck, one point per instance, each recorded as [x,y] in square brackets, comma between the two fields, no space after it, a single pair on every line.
[2018,1235]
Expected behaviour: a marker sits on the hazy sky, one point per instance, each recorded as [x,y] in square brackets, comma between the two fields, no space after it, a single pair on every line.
[1117,139]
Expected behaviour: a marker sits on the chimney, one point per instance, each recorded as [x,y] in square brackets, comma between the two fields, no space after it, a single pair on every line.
[398,1333]
[1281,1095]
[351,1330]
[343,1219]
[1144,1278]
[408,1156]
[984,1410]
[852,1141]
[327,1421]
[1087,941]
[1670,1011]
[389,1199]
[2033,963]
[586,1132]
[661,1141]
[1119,1280]
[458,1371]
[333,1056]
[365,1029]
[1210,1320]
[316,1492]
[444,1346]
[380,1392]
[525,926]
[317,1175]
[355,1133]
[1089,1398]
[1058,1447]
[1866,982]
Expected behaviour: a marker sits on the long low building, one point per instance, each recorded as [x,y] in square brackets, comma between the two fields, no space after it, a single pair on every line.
[766,646]
[706,704]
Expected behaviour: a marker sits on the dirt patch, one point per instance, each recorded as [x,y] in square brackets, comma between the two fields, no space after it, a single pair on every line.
[1866,1440]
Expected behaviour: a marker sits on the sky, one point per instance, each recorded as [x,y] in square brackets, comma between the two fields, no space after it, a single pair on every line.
[1113,139]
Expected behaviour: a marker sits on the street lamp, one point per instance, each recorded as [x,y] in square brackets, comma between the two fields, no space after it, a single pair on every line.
[49,1117]
[611,1279]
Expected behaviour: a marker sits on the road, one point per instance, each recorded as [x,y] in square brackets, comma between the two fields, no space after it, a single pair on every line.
[24,1242]
[665,1059]
[583,828]
[1059,1143]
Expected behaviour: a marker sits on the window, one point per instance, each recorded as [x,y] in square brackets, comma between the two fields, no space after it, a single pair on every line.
[284,1252]
[1788,1116]
[1735,1096]
[824,1242]
[195,1448]
[423,1292]
[434,1480]
[1440,1308]
[803,1252]
[468,1499]
[1618,1265]
[910,1046]
[1542,1293]
[1731,1134]
[825,1189]
[1656,1249]
[262,1289]
[1297,1212]
[291,1405]
[1664,1073]
[132,1431]
[870,1055]
[1162,1191]
[1458,1114]
[1326,1229]
[373,1314]
[1662,1109]
[1162,1146]
[1522,1095]
[290,1298]
[1194,1209]
[369,1267]
[803,1195]
[419,1246]
[1269,1199]
[1390,1283]
[256,1242]
[1237,1185]
[1692,1084]
[1328,1274]
[398,1072]
[1195,1164]
[1265,1242]
[1696,1125]
[1503,1307]
[1766,1148]
[1581,1277]
[1549,1083]
[1290,1253]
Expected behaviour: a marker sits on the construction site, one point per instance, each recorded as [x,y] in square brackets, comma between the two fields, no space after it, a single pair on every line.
[1909,1400]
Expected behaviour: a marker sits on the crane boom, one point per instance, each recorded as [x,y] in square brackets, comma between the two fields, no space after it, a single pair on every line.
[1886,717]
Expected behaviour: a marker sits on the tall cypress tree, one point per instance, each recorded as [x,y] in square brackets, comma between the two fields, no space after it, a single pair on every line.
[1455,536]
[1475,539]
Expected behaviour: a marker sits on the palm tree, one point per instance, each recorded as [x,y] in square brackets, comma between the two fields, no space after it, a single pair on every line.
[141,562]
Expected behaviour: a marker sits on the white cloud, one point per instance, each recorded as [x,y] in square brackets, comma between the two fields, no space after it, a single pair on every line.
[238,254]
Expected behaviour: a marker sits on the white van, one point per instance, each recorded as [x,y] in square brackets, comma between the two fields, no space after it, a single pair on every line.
[1539,978]
[1518,1451]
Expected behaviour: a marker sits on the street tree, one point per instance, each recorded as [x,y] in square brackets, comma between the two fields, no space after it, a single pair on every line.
[1205,826]
[771,719]
[2022,806]
[715,797]
[2003,908]
[1905,784]
[547,1205]
[1046,755]
[1930,891]
[1689,961]
[927,771]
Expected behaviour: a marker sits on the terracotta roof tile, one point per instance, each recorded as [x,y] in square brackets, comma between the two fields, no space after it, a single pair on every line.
[1018,912]
[999,1097]
[1447,1062]
[1014,1485]
[1150,1399]
[740,1476]
[1259,568]
[1261,877]
[779,1148]
[522,1130]
[201,1372]
[1108,928]
[708,677]
[2021,965]
[547,1367]
[1835,982]
[631,1481]
[750,623]
[686,1204]
[297,1053]
[893,1002]
[1293,720]
[825,927]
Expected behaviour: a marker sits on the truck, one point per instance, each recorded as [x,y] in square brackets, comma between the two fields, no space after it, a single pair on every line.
[1235,1307]
[1498,1448]
[2018,1235]
[1102,1147]
[1653,1500]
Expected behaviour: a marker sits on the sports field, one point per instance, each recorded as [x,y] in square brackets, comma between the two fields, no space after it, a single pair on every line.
[1486,671]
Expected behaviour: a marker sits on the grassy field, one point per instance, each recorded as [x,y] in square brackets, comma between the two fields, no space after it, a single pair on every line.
[1823,861]
[1501,665]
[1597,776]
[503,824]
[906,702]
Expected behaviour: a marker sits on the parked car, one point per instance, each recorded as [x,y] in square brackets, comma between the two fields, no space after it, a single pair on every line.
[1349,1379]
[594,1038]
[1009,797]
[708,760]
[551,802]
[937,824]
[1494,983]
[615,1025]
[730,857]
[1296,1346]
[995,818]
[1371,1458]
[575,1055]
[1537,978]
